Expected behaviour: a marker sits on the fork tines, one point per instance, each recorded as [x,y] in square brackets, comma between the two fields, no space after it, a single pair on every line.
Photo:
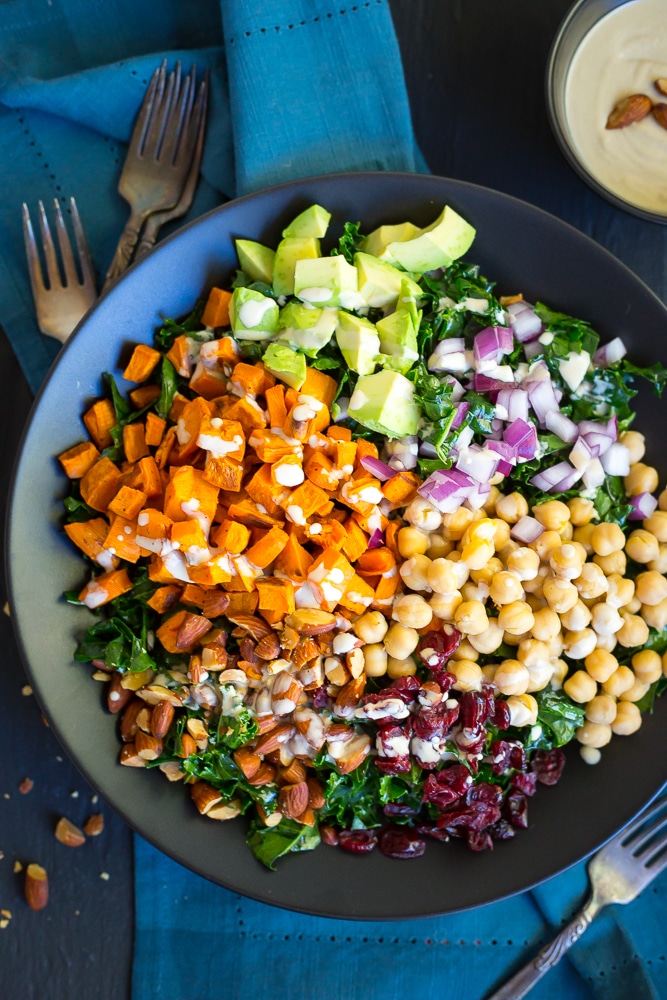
[646,837]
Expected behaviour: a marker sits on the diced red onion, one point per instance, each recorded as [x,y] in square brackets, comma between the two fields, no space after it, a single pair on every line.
[377,468]
[505,450]
[491,343]
[593,474]
[524,321]
[464,439]
[478,496]
[532,348]
[581,454]
[428,449]
[526,529]
[458,392]
[376,540]
[598,441]
[522,437]
[542,398]
[489,383]
[644,504]
[561,426]
[477,462]
[515,402]
[461,410]
[616,460]
[557,479]
[607,354]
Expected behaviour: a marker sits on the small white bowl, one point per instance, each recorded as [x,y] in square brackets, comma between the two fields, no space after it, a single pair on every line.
[605,50]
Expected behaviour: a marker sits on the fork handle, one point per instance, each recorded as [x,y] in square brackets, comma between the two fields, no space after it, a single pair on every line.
[550,955]
[126,245]
[149,235]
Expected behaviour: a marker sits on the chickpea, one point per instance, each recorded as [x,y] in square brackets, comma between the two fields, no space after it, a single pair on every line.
[465,650]
[632,607]
[505,587]
[471,618]
[507,550]
[400,641]
[414,572]
[580,687]
[546,624]
[590,755]
[516,618]
[439,547]
[566,562]
[371,627]
[468,675]
[628,719]
[536,603]
[487,572]
[536,585]
[636,692]
[657,524]
[454,525]
[488,671]
[580,643]
[567,532]
[444,605]
[511,507]
[421,514]
[615,562]
[662,500]
[606,538]
[489,640]
[560,595]
[591,582]
[601,709]
[553,514]
[489,505]
[560,673]
[633,632]
[607,642]
[605,619]
[642,546]
[477,552]
[524,563]
[635,443]
[401,668]
[502,533]
[647,666]
[659,564]
[581,511]
[545,543]
[601,665]
[582,535]
[650,587]
[594,734]
[475,592]
[556,645]
[460,568]
[576,618]
[442,577]
[640,479]
[655,616]
[620,681]
[375,659]
[523,710]
[412,542]
[514,640]
[620,590]
[511,677]
[412,610]
[482,529]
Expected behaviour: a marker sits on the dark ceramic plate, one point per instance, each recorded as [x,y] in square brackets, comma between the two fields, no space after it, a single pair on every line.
[525,250]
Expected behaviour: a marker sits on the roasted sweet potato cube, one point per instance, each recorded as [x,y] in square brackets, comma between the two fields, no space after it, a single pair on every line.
[77,460]
[122,539]
[225,473]
[155,428]
[187,493]
[100,484]
[219,353]
[275,595]
[128,502]
[99,420]
[134,441]
[144,395]
[105,587]
[266,550]
[90,536]
[142,363]
[165,598]
[320,385]
[275,402]
[216,310]
[180,355]
[231,536]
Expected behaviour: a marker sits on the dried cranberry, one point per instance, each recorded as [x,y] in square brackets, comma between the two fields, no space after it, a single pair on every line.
[548,765]
[471,740]
[474,709]
[480,809]
[397,842]
[406,688]
[518,759]
[431,830]
[393,765]
[501,830]
[435,647]
[501,715]
[479,840]
[320,697]
[525,783]
[357,841]
[500,756]
[398,809]
[516,809]
[437,721]
[386,735]
[446,786]
[329,835]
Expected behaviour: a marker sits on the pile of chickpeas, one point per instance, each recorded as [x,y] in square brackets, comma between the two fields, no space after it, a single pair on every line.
[561,598]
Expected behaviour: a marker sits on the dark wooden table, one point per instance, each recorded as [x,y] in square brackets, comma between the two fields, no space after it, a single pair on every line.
[475,74]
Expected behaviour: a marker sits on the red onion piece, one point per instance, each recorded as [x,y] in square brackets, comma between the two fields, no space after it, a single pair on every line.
[377,468]
[607,354]
[506,452]
[644,504]
[542,398]
[532,348]
[376,540]
[515,402]
[488,383]
[458,392]
[522,437]
[557,479]
[526,529]
[524,321]
[616,460]
[461,410]
[491,343]
[561,426]
[593,474]
[477,462]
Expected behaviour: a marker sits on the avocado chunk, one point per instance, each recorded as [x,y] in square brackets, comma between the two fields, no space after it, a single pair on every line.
[313,222]
[289,252]
[253,316]
[380,283]
[358,341]
[448,238]
[307,328]
[328,281]
[287,365]
[384,402]
[398,335]
[376,243]
[256,260]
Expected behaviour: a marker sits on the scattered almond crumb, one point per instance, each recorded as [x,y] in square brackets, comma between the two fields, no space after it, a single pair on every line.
[6,795]
[5,608]
[2,854]
[94,825]
[18,867]
[95,799]
[4,923]
[105,876]
[6,913]
[26,690]
[74,795]
[26,786]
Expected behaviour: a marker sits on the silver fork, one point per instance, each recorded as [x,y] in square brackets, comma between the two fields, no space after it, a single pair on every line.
[159,155]
[618,873]
[65,296]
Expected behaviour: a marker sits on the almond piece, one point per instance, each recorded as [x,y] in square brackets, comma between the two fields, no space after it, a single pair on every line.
[265,775]
[225,810]
[94,825]
[307,817]
[204,796]
[69,834]
[36,887]
[304,651]
[128,722]
[311,621]
[268,819]
[148,747]
[349,697]
[118,697]
[161,719]
[629,110]
[661,85]
[316,796]
[293,799]
[660,113]
[130,758]
[291,774]
[172,770]
[268,648]
[274,739]
[248,761]
[192,628]
[188,746]
[350,755]
[153,693]
[285,693]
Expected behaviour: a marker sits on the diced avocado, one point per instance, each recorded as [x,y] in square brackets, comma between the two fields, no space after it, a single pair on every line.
[289,252]
[398,337]
[328,281]
[376,243]
[287,365]
[306,327]
[358,342]
[313,222]
[256,260]
[448,238]
[380,282]
[384,402]
[253,316]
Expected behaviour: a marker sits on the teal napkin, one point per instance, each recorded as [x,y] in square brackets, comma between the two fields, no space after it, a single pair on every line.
[299,87]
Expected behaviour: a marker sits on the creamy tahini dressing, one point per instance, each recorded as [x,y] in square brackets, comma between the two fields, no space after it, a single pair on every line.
[623,54]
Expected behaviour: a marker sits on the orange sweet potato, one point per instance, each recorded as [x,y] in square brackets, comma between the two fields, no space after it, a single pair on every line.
[294,561]
[275,595]
[134,441]
[165,598]
[155,428]
[225,472]
[268,548]
[207,382]
[180,356]
[99,420]
[121,539]
[128,502]
[275,402]
[144,395]
[320,385]
[77,460]
[100,484]
[216,311]
[356,540]
[142,363]
[105,587]
[187,494]
[90,536]
[231,536]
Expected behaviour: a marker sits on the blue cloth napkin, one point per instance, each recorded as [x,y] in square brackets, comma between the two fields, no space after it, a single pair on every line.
[299,87]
